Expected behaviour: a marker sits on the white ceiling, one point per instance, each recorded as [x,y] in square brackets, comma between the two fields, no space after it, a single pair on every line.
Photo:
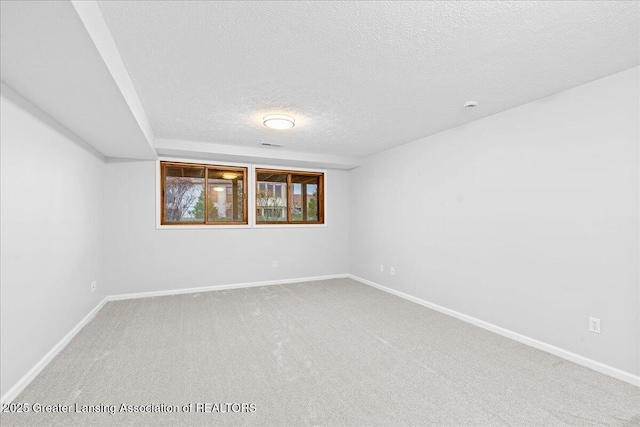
[194,79]
[359,77]
[48,57]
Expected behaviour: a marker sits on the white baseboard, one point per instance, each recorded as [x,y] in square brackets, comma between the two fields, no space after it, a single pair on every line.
[557,351]
[581,360]
[33,372]
[223,287]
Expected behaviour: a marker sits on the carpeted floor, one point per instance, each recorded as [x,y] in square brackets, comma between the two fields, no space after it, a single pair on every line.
[333,352]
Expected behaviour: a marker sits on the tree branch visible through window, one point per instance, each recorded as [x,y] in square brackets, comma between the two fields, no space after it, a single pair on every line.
[203,194]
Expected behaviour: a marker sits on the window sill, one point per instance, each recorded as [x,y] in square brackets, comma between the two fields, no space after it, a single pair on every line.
[290,226]
[227,227]
[199,227]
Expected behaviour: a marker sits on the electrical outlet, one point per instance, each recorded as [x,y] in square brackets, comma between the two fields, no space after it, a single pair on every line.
[275,264]
[94,285]
[381,268]
[392,270]
[594,325]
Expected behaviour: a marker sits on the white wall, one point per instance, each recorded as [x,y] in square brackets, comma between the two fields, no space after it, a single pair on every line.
[51,234]
[142,258]
[527,219]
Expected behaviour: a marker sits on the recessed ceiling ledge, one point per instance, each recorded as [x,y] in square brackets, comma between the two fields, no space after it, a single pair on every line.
[242,154]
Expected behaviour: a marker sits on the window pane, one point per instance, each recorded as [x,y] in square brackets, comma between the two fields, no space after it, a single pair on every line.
[271,204]
[312,202]
[225,194]
[296,211]
[183,187]
[305,198]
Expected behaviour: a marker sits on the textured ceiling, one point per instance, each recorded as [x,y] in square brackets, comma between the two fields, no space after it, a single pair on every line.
[47,56]
[359,77]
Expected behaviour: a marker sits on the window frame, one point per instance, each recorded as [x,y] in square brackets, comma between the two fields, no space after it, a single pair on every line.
[321,196]
[250,199]
[160,202]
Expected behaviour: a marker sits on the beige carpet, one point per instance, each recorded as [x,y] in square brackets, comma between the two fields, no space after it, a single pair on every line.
[334,352]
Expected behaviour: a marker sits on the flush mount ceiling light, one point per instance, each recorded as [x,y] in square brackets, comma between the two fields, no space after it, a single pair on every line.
[229,175]
[278,121]
[218,189]
[470,104]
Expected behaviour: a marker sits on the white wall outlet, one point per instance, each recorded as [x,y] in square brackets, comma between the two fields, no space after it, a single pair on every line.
[94,285]
[381,268]
[392,270]
[594,325]
[275,264]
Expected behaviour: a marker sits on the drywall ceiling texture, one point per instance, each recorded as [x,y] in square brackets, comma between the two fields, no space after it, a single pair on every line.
[49,58]
[359,77]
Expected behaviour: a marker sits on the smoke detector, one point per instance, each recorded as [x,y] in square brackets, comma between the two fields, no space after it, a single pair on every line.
[470,104]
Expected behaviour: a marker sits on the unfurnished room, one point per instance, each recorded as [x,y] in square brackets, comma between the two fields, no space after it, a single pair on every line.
[320,213]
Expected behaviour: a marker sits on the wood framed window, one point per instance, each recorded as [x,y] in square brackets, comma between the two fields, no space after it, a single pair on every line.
[197,194]
[289,197]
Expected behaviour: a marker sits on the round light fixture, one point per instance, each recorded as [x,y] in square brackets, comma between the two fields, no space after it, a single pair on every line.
[278,121]
[229,175]
[218,189]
